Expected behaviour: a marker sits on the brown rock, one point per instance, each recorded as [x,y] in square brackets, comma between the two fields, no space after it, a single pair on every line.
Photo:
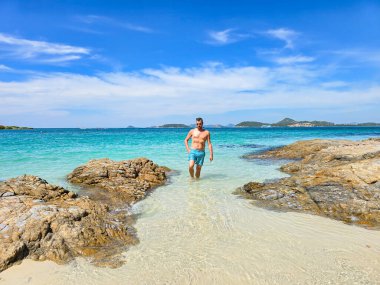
[42,221]
[335,178]
[128,180]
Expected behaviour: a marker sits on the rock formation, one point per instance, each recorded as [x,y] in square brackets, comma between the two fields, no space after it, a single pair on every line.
[339,179]
[128,180]
[43,221]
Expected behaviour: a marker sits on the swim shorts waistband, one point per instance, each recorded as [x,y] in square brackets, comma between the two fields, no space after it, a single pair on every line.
[194,149]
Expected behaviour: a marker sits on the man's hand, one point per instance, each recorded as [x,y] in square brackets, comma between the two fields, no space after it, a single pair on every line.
[211,157]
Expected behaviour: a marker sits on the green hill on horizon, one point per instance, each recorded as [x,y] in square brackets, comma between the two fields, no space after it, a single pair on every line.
[285,122]
[174,126]
[251,124]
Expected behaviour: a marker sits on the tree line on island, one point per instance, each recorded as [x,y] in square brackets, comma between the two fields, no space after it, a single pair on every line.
[2,127]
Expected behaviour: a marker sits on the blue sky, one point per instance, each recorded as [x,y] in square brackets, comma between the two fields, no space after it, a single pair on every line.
[144,63]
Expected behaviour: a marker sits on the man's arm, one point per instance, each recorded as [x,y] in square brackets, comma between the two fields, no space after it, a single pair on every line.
[210,146]
[187,140]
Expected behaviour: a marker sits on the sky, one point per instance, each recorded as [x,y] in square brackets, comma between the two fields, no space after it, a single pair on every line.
[145,63]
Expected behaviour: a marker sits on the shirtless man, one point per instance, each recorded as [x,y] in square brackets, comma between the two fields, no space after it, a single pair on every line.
[197,152]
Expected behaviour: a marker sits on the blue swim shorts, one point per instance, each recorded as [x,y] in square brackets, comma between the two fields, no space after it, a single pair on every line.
[197,155]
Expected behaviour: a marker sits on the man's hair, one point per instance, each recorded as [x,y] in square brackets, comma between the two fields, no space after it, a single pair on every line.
[199,119]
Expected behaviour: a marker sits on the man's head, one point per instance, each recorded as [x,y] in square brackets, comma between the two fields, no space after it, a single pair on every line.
[199,122]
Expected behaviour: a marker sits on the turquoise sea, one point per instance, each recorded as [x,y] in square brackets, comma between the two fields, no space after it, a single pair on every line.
[52,153]
[196,231]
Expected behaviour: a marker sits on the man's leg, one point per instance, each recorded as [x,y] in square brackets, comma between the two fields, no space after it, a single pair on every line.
[198,171]
[191,168]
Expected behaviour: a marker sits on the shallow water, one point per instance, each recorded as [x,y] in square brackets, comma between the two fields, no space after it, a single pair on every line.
[196,231]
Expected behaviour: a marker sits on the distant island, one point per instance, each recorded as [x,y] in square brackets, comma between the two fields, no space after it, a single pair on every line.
[14,128]
[251,124]
[174,126]
[288,122]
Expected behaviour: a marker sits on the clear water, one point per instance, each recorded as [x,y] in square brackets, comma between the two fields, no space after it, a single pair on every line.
[197,232]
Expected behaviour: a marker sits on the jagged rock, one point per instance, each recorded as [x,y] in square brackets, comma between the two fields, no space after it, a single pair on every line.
[42,221]
[335,178]
[130,180]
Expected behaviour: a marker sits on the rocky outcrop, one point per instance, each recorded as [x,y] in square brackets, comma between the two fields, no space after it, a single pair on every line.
[43,221]
[129,180]
[339,179]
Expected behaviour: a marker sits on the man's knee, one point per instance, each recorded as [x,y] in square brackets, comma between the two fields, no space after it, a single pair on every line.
[191,164]
[198,171]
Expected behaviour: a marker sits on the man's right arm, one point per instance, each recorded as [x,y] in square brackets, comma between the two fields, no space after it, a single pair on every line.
[187,140]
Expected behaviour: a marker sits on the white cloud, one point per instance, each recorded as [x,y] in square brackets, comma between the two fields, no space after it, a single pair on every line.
[4,68]
[90,19]
[168,91]
[62,59]
[221,37]
[136,28]
[293,59]
[40,50]
[224,37]
[97,19]
[284,34]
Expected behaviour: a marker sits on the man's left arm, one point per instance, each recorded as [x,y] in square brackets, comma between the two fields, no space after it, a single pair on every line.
[210,147]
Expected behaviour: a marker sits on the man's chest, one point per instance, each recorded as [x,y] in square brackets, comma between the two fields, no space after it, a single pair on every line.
[197,135]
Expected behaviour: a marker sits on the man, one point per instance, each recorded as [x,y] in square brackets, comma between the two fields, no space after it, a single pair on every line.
[199,137]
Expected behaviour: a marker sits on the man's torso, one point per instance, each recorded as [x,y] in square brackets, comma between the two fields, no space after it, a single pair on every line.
[199,139]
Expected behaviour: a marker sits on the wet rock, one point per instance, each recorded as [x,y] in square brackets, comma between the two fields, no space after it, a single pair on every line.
[130,180]
[43,221]
[335,178]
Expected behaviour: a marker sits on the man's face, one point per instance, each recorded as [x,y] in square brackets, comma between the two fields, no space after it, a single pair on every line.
[199,124]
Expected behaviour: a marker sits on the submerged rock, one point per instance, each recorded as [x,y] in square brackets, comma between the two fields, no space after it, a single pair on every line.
[335,178]
[128,180]
[43,221]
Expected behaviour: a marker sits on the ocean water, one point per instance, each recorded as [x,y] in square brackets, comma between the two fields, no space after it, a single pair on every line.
[197,231]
